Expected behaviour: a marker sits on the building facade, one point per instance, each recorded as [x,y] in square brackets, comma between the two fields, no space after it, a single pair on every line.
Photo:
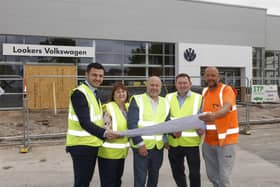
[136,39]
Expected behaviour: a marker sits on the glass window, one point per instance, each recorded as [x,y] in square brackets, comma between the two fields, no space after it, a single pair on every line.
[60,41]
[155,71]
[35,40]
[85,42]
[135,71]
[2,40]
[11,84]
[135,59]
[169,60]
[155,60]
[269,55]
[109,58]
[169,49]
[134,48]
[113,71]
[109,46]
[169,71]
[155,48]
[15,39]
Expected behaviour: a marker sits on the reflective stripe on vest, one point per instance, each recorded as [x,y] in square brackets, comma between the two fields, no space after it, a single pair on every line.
[194,111]
[118,148]
[115,145]
[186,133]
[189,134]
[148,119]
[114,117]
[78,133]
[156,137]
[233,108]
[73,117]
[211,127]
[229,131]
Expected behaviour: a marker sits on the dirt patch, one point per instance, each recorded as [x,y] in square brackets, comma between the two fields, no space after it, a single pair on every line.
[45,121]
[40,122]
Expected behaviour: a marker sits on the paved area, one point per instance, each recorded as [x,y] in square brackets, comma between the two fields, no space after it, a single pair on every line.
[257,164]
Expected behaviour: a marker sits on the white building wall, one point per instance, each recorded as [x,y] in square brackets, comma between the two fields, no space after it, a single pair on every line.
[214,55]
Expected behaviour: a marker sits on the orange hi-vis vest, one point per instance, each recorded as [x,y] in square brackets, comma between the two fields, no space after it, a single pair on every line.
[223,130]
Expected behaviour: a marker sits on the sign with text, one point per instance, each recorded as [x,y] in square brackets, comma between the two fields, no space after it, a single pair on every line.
[271,93]
[47,50]
[264,93]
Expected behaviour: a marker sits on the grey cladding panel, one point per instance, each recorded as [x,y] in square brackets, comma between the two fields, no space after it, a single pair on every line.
[273,31]
[145,20]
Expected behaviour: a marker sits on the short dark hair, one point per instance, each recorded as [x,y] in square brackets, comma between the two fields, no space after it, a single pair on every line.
[116,86]
[95,65]
[183,75]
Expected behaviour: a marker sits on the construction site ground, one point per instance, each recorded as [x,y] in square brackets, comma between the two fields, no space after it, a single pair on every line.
[47,164]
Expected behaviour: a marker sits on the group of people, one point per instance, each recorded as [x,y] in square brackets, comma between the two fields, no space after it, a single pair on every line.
[92,131]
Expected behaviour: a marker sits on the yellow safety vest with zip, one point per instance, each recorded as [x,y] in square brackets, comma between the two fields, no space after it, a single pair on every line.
[191,106]
[115,149]
[76,135]
[147,117]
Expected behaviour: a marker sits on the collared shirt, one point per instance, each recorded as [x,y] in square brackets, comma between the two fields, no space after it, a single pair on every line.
[132,122]
[154,103]
[94,90]
[90,86]
[181,100]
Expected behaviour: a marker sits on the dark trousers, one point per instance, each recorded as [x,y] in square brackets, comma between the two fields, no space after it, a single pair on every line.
[110,172]
[147,165]
[176,157]
[84,159]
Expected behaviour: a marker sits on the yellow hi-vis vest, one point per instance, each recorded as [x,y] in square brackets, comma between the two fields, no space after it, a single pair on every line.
[76,135]
[147,117]
[115,149]
[190,107]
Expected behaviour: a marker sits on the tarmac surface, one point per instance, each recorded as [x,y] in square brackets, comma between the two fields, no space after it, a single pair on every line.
[257,164]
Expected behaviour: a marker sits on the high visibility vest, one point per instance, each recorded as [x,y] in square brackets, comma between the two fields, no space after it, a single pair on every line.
[148,117]
[115,149]
[223,130]
[76,135]
[191,106]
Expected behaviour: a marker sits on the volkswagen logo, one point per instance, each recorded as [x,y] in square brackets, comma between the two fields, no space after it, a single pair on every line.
[189,54]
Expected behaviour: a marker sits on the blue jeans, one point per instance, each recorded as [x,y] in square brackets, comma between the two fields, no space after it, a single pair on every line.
[148,165]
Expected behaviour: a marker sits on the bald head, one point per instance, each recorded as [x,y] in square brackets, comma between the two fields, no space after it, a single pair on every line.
[154,86]
[212,69]
[211,77]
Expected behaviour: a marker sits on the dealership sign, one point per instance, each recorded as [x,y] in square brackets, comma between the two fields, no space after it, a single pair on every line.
[189,54]
[47,50]
[264,93]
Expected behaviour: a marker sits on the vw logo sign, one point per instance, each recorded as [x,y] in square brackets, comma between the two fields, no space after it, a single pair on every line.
[189,54]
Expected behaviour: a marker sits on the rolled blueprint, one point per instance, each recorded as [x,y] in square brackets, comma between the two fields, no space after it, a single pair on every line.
[176,125]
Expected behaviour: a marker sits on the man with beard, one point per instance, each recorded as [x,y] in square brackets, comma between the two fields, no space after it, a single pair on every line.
[222,129]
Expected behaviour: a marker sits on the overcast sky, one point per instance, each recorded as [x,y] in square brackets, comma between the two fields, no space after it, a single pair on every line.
[272,6]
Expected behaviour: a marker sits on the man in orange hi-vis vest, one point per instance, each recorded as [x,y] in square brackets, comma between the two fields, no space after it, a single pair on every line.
[222,129]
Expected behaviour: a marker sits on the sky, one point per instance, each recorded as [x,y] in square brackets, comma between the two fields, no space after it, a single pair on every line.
[272,6]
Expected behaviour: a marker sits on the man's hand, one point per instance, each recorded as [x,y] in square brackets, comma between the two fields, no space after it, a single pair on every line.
[200,131]
[110,135]
[207,117]
[177,134]
[166,146]
[142,150]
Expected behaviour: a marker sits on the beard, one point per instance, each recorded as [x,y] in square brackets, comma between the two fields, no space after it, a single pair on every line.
[215,84]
